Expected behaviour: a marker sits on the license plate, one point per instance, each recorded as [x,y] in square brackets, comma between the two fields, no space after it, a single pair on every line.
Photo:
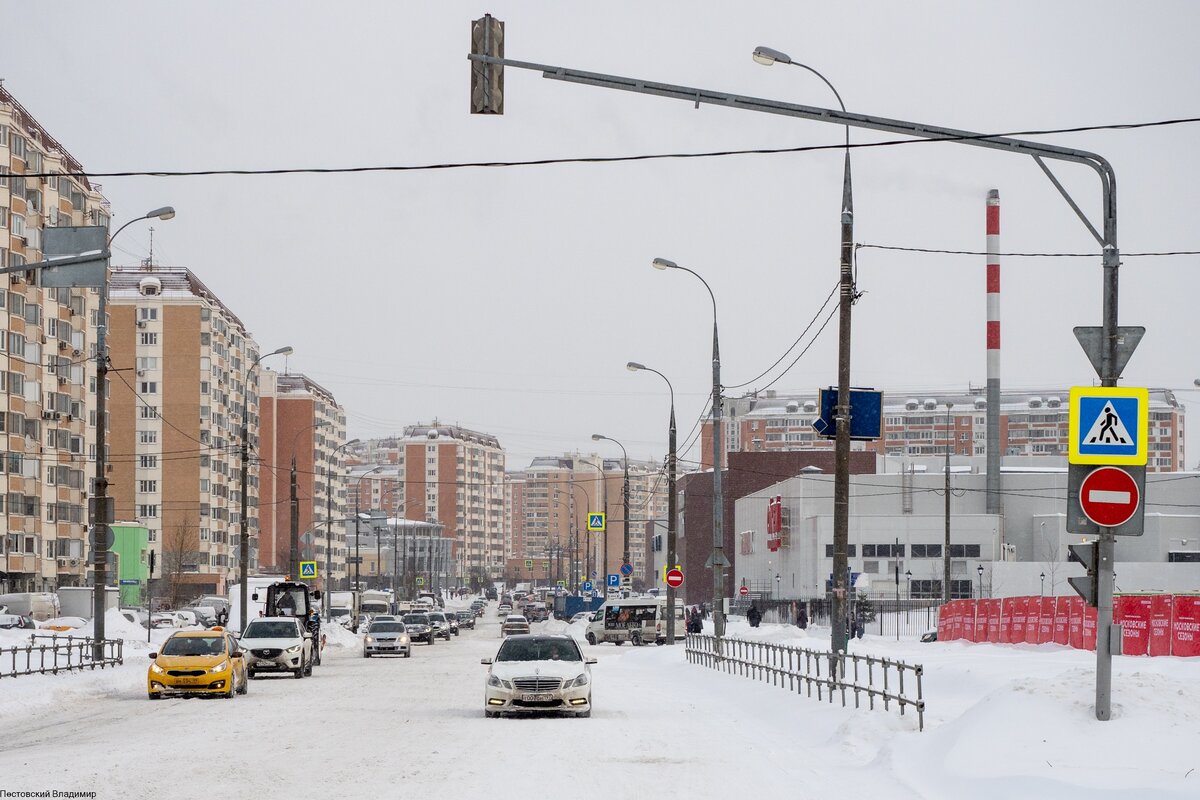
[186,681]
[536,698]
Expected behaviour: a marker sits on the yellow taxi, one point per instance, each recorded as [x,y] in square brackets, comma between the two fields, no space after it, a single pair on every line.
[198,662]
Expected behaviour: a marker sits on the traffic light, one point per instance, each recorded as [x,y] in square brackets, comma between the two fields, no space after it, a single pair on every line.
[487,80]
[152,559]
[1088,586]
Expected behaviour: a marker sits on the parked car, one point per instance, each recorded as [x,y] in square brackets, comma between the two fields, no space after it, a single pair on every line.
[582,616]
[538,673]
[514,624]
[163,619]
[440,625]
[61,624]
[9,621]
[277,644]
[466,619]
[198,662]
[387,637]
[136,616]
[419,628]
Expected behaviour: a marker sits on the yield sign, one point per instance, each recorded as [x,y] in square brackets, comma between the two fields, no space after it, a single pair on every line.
[1109,496]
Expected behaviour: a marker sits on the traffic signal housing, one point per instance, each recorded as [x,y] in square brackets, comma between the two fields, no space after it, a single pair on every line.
[1088,586]
[487,80]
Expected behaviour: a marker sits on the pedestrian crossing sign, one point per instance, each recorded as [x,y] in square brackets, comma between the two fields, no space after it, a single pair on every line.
[308,569]
[1109,425]
[596,521]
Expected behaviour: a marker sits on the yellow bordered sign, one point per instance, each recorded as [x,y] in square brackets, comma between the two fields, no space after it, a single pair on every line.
[1109,425]
[308,569]
[596,521]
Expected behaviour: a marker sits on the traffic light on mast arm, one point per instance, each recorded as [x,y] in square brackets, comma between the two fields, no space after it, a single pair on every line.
[1088,586]
[487,80]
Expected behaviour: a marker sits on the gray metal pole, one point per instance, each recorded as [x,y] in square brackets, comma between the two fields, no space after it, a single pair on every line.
[100,527]
[329,538]
[1105,547]
[718,513]
[841,480]
[672,498]
[294,549]
[357,557]
[244,540]
[946,545]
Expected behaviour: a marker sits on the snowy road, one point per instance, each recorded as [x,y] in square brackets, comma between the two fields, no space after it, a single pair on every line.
[661,727]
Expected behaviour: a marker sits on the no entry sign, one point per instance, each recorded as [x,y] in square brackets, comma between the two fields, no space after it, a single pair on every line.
[745,590]
[674,578]
[1109,496]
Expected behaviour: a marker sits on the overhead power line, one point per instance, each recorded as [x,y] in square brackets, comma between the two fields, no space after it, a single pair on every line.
[937,251]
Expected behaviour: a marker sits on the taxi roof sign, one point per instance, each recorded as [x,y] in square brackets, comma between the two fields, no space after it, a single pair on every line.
[1109,425]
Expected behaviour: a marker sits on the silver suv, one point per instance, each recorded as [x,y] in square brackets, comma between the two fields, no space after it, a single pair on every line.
[441,625]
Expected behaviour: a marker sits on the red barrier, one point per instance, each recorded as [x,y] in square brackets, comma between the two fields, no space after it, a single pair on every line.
[1016,631]
[1160,626]
[1132,613]
[1185,625]
[943,626]
[1075,622]
[970,624]
[1045,628]
[1062,619]
[995,619]
[956,619]
[1008,609]
[1089,627]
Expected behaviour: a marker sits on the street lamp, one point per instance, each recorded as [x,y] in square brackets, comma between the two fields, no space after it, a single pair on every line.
[718,561]
[577,564]
[357,522]
[625,498]
[841,481]
[979,570]
[100,519]
[672,497]
[908,579]
[294,505]
[1043,577]
[244,539]
[946,553]
[329,523]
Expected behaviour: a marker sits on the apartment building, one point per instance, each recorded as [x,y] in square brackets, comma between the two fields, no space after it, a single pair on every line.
[47,383]
[453,476]
[1032,423]
[178,381]
[306,425]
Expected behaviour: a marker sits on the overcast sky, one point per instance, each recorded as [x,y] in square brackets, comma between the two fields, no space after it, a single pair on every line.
[509,300]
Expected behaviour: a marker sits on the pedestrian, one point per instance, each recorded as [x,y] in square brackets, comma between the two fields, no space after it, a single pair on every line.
[754,615]
[802,617]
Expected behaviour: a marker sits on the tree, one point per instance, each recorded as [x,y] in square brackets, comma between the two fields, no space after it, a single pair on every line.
[179,556]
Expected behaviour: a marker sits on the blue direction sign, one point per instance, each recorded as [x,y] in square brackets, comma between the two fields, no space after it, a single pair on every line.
[587,586]
[627,569]
[129,582]
[614,579]
[1109,425]
[866,414]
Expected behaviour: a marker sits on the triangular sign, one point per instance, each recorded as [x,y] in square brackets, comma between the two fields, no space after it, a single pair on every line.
[1108,428]
[717,557]
[1091,339]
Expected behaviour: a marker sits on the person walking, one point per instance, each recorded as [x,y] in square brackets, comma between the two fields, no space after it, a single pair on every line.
[802,616]
[754,615]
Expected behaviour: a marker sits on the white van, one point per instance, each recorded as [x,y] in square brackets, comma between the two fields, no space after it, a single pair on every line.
[639,620]
[41,606]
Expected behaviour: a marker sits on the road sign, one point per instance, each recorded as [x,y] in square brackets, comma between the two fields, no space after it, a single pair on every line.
[745,590]
[675,578]
[75,241]
[587,586]
[1078,522]
[627,569]
[308,569]
[354,560]
[560,584]
[614,579]
[106,535]
[596,521]
[529,563]
[1109,496]
[1109,425]
[129,581]
[866,414]
[1091,339]
[419,581]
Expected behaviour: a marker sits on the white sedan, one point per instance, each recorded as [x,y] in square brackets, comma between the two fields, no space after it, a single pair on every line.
[538,673]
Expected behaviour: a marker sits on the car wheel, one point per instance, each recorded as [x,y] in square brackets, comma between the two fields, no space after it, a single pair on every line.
[491,714]
[584,714]
[366,654]
[154,695]
[245,686]
[299,673]
[636,639]
[591,638]
[408,653]
[308,669]
[250,674]
[618,643]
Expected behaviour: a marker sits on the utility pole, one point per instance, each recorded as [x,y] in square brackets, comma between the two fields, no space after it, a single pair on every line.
[294,550]
[841,481]
[672,498]
[946,545]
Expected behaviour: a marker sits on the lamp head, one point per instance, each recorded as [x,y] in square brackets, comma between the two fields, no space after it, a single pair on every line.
[283,351]
[166,212]
[768,56]
[597,437]
[663,263]
[979,569]
[634,366]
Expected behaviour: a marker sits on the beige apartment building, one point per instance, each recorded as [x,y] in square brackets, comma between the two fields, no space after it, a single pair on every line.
[47,374]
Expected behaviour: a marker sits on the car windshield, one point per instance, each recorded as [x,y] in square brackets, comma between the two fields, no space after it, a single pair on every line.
[416,619]
[272,629]
[194,646]
[339,612]
[290,603]
[437,617]
[387,627]
[538,650]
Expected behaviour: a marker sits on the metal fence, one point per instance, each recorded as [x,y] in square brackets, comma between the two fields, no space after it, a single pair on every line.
[870,678]
[883,616]
[57,654]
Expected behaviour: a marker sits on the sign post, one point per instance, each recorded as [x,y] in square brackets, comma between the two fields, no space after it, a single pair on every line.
[675,578]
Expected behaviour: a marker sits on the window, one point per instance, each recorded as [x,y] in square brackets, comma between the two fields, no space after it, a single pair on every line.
[3,217]
[148,387]
[147,313]
[17,223]
[148,412]
[926,551]
[148,437]
[964,551]
[148,339]
[148,462]
[147,362]
[147,511]
[851,551]
[148,486]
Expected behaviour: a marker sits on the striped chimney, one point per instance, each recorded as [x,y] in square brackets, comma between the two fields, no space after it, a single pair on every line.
[993,351]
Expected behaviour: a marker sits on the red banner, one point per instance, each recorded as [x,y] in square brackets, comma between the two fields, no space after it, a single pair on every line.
[944,623]
[1075,623]
[1160,626]
[970,621]
[1185,625]
[1132,613]
[1008,609]
[1016,631]
[1089,627]
[1045,625]
[1062,617]
[955,619]
[995,620]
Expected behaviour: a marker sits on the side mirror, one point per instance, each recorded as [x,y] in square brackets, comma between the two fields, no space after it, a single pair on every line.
[153,656]
[485,661]
[589,661]
[237,653]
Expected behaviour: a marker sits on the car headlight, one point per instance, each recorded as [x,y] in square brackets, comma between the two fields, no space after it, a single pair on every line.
[582,680]
[156,669]
[499,683]
[224,665]
[293,649]
[370,638]
[404,640]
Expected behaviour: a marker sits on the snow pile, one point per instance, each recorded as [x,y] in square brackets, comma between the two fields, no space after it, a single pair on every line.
[337,636]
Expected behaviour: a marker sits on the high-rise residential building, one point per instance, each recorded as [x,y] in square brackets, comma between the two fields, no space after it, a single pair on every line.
[178,382]
[453,476]
[307,427]
[1032,423]
[47,391]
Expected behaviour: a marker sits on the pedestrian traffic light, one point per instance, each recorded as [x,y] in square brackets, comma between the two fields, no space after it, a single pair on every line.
[487,80]
[1088,586]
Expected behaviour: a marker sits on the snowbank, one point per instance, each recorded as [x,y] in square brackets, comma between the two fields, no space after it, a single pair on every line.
[337,636]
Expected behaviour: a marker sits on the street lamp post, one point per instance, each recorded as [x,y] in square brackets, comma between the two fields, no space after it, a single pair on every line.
[577,562]
[244,539]
[357,523]
[625,501]
[946,545]
[329,523]
[672,497]
[979,570]
[1043,577]
[717,561]
[294,506]
[100,520]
